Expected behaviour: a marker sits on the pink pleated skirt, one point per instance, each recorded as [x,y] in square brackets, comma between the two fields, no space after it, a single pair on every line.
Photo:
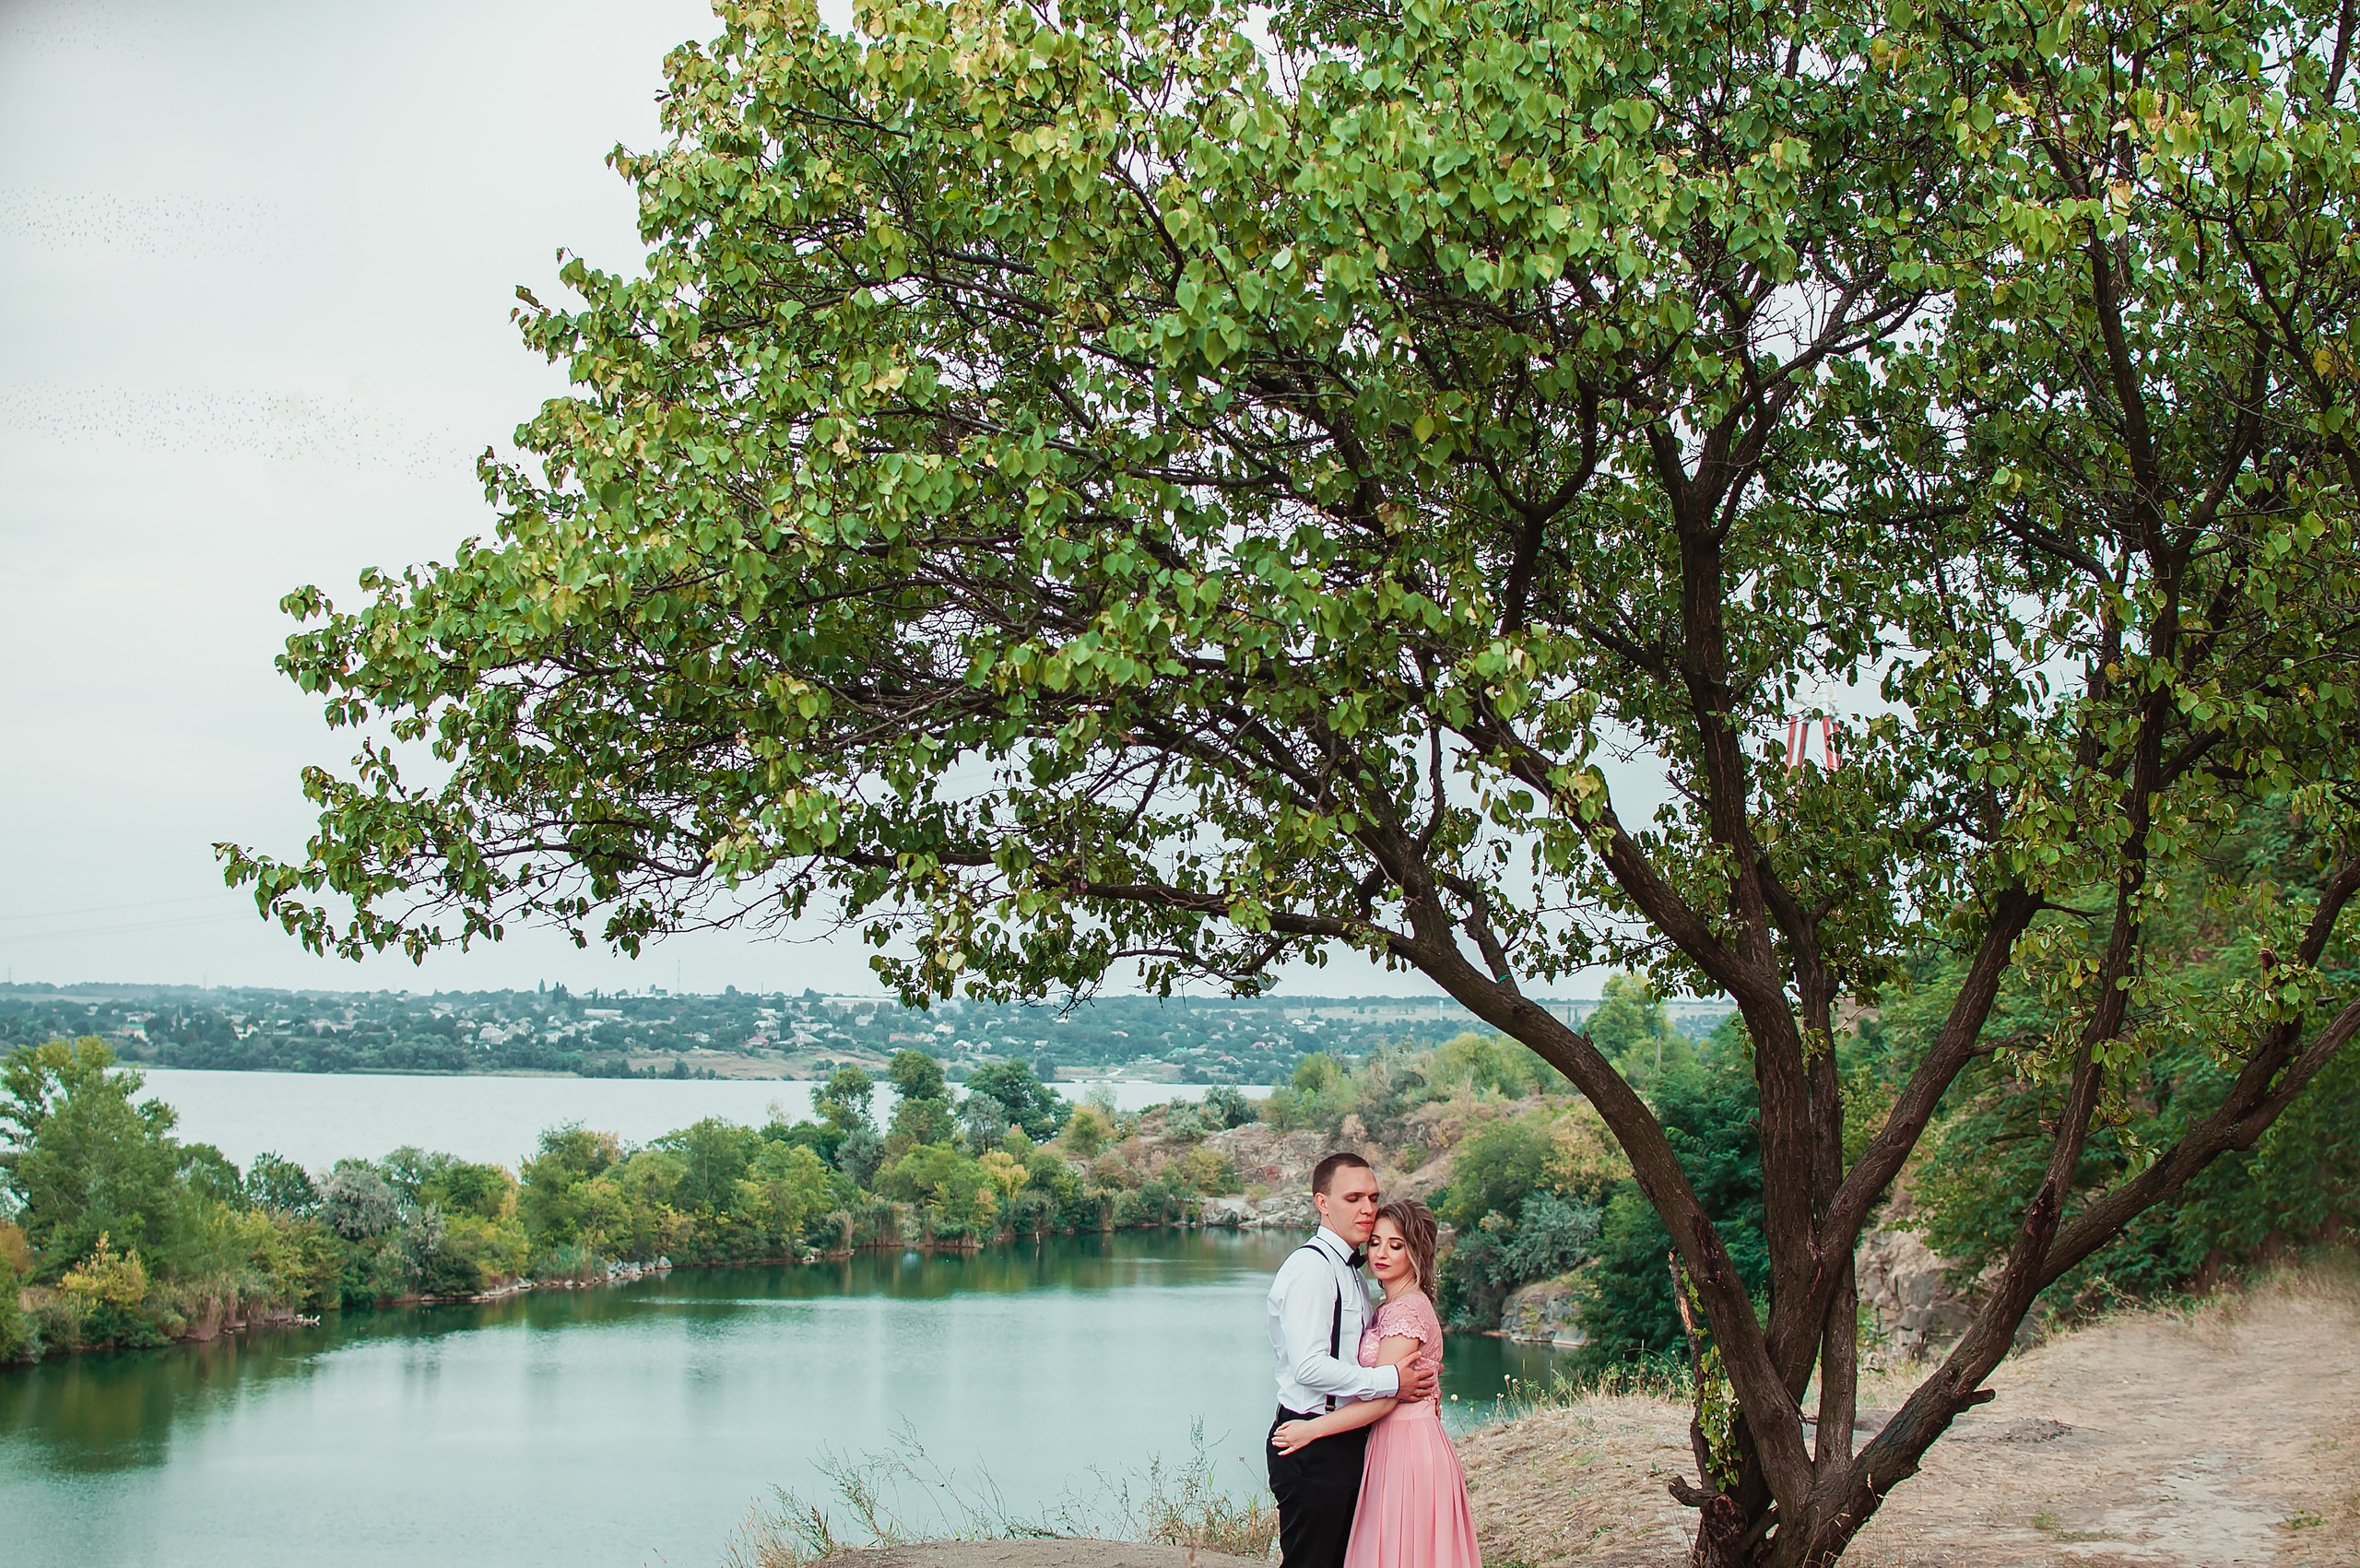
[1413,1511]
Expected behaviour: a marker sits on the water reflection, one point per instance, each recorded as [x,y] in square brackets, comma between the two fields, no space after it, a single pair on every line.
[103,1412]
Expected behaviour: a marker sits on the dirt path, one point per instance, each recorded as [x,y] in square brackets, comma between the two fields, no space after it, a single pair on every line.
[2226,1438]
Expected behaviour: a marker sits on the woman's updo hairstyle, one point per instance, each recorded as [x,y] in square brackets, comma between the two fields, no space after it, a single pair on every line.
[1416,1224]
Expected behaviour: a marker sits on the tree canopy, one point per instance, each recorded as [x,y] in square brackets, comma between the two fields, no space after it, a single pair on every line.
[1180,484]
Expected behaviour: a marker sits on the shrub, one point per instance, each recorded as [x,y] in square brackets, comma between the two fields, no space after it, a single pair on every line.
[784,1192]
[958,1193]
[1226,1107]
[1023,1099]
[280,1185]
[111,1288]
[860,1154]
[357,1202]
[1495,1169]
[1553,1234]
[1185,1123]
[17,1340]
[713,1154]
[983,1120]
[1088,1131]
[1209,1172]
[1489,1063]
[1475,1277]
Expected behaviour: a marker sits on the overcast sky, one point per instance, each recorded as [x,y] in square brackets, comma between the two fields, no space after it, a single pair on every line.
[256,261]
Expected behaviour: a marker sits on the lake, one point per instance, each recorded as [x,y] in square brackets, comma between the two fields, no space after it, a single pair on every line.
[317,1119]
[635,1425]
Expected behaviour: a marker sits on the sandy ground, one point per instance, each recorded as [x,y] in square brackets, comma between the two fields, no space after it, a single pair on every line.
[2228,1437]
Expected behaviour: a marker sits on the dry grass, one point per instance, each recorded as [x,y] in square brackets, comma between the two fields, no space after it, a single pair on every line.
[901,1497]
[2214,1434]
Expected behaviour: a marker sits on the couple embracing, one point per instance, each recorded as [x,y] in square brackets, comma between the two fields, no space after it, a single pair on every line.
[1364,1474]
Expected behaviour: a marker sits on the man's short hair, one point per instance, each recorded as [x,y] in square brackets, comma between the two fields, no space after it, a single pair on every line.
[1323,1176]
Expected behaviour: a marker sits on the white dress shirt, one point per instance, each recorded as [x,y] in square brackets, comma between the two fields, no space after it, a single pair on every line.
[1303,1312]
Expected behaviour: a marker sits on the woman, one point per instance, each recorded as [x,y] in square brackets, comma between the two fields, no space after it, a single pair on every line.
[1413,1509]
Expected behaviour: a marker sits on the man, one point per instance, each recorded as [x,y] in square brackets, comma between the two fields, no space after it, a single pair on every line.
[1318,1306]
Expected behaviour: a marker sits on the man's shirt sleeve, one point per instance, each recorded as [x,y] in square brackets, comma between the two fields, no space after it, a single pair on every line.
[1303,1297]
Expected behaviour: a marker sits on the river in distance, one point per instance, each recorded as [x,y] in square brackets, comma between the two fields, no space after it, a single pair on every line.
[317,1119]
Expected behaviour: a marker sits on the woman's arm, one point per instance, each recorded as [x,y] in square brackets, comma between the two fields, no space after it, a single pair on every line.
[1394,1351]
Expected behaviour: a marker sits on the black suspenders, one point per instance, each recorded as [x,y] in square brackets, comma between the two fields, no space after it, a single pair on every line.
[1335,1320]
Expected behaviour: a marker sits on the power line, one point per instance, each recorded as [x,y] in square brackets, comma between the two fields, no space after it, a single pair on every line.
[114,908]
[125,930]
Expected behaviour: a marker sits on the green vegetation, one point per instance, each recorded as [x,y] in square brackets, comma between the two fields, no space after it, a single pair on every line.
[1539,1193]
[2299,1180]
[1538,1189]
[1185,488]
[113,1233]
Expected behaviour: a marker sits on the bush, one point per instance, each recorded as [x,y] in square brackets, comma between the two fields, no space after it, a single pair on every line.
[1494,1170]
[1088,1131]
[2299,1182]
[860,1154]
[554,1199]
[713,1155]
[784,1192]
[1475,1277]
[1185,1123]
[111,1290]
[1551,1235]
[1226,1107]
[958,1195]
[1209,1173]
[1025,1101]
[280,1185]
[1489,1064]
[17,1340]
[358,1203]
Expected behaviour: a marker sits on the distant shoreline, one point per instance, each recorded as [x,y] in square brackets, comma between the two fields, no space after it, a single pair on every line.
[1079,1081]
[769,1037]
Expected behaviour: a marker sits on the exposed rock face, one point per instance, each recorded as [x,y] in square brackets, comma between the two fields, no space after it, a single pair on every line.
[1544,1313]
[1283,1211]
[1903,1289]
[1278,1165]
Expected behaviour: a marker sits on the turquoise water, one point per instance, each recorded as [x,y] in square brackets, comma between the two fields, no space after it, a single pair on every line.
[638,1424]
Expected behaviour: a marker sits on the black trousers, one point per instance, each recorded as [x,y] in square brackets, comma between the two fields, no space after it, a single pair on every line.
[1317,1487]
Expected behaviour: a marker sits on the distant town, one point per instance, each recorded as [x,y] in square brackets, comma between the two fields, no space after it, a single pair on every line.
[734,1034]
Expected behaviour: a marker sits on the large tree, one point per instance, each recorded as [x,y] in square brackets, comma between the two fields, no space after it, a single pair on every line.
[1177,483]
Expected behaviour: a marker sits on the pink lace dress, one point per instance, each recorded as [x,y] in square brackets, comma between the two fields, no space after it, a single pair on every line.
[1413,1509]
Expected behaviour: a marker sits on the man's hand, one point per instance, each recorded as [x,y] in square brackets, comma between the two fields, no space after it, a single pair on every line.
[1417,1381]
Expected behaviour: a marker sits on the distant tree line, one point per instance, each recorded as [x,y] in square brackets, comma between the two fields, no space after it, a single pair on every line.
[1199,1040]
[114,1232]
